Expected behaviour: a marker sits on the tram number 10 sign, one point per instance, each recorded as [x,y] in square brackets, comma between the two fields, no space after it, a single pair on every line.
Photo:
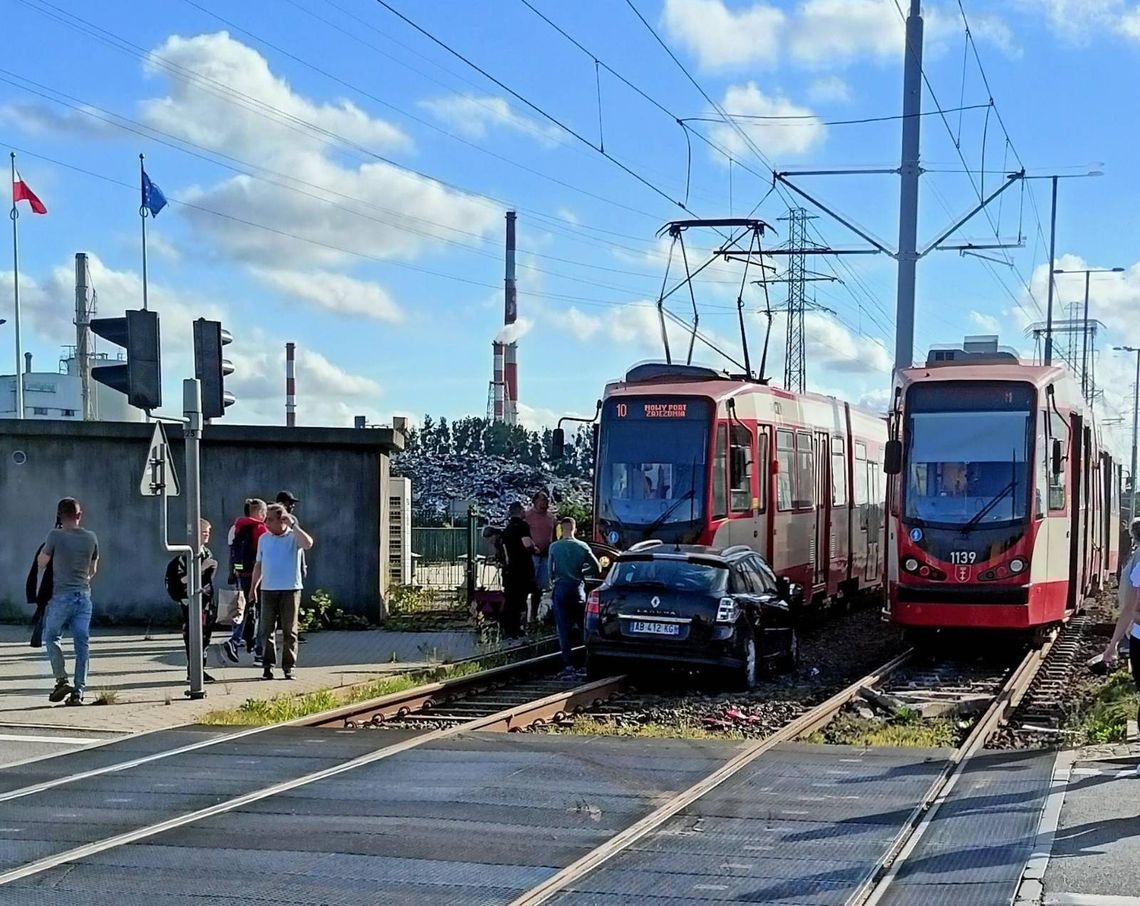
[653,410]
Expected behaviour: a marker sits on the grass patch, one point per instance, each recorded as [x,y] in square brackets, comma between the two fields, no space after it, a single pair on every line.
[106,697]
[1104,717]
[255,712]
[905,731]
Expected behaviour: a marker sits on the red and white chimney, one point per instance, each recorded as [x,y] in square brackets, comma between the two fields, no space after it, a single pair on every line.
[497,381]
[290,386]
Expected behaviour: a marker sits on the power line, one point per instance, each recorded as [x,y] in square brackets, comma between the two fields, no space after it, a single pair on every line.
[776,120]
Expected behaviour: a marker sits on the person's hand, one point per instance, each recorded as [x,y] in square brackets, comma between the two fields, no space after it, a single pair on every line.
[1110,655]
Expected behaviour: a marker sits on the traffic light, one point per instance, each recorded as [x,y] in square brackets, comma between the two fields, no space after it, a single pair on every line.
[210,368]
[140,377]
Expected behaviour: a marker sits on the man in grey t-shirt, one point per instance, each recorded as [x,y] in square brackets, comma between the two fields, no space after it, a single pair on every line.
[74,555]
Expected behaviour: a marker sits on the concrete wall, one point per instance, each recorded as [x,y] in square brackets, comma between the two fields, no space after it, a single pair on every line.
[341,476]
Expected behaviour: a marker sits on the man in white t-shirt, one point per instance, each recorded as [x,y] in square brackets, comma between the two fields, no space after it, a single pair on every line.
[1129,620]
[277,583]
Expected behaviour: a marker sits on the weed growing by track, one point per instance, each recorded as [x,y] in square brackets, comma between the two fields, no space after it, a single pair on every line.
[906,731]
[1103,715]
[255,712]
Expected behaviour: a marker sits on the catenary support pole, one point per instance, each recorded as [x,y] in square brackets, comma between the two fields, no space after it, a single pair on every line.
[1085,387]
[1052,266]
[1135,425]
[192,409]
[19,373]
[909,171]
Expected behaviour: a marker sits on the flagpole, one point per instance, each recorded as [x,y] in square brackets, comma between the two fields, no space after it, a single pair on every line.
[15,215]
[142,217]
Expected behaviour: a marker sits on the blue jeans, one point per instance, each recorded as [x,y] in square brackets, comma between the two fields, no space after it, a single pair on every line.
[71,607]
[567,600]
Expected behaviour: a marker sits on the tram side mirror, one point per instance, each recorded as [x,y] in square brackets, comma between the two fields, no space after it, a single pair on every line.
[1056,456]
[558,444]
[892,457]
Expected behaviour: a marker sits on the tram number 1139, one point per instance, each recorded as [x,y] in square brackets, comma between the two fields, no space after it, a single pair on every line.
[963,557]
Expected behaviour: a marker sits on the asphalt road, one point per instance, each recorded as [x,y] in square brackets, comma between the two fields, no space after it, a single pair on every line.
[22,743]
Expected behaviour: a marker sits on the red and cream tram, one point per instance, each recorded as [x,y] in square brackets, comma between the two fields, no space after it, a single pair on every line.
[1004,504]
[690,455]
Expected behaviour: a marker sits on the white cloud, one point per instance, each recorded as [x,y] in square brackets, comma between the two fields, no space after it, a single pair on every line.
[43,119]
[723,38]
[1113,298]
[829,89]
[474,116]
[334,292]
[1078,21]
[375,209]
[818,34]
[802,132]
[201,71]
[988,323]
[830,345]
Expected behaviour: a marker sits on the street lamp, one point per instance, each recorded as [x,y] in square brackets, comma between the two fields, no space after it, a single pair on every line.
[1086,385]
[1135,417]
[1053,253]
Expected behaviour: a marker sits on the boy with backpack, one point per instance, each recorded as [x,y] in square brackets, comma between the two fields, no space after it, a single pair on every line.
[244,537]
[176,572]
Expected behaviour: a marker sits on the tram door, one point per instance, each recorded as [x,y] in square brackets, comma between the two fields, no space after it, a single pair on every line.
[822,509]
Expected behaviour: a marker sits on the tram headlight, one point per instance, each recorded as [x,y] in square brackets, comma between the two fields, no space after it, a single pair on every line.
[1016,565]
[910,565]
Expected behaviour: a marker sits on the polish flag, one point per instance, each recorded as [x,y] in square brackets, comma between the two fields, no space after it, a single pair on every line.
[21,192]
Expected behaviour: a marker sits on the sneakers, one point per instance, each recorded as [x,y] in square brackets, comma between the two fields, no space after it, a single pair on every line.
[289,675]
[61,691]
[569,675]
[206,678]
[76,697]
[267,673]
[230,649]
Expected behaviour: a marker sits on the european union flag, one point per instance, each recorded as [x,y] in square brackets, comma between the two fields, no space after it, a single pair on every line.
[152,198]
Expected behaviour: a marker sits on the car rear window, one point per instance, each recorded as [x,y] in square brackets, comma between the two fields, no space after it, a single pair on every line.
[679,575]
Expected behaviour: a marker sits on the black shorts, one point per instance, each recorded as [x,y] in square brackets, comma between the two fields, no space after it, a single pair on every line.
[1134,659]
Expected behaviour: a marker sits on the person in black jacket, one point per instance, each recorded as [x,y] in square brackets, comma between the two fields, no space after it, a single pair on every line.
[176,574]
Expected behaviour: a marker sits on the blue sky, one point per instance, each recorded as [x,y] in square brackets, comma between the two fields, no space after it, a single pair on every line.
[339,180]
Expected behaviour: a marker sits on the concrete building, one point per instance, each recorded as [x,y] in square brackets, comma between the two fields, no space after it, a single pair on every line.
[340,475]
[59,394]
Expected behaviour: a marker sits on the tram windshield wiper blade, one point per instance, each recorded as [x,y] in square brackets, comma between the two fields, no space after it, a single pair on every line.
[993,501]
[660,520]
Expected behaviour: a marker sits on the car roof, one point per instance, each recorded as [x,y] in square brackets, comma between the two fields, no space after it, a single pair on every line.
[692,552]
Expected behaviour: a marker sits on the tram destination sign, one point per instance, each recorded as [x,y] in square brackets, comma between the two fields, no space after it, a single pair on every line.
[658,409]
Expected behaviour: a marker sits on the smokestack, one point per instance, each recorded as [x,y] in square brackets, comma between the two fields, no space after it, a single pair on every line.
[511,381]
[510,315]
[497,379]
[290,386]
[27,363]
[83,335]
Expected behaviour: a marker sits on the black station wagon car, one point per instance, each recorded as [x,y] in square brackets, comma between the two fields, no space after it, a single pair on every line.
[692,606]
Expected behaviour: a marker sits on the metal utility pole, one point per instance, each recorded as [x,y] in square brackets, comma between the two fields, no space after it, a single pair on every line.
[83,311]
[1052,267]
[794,358]
[192,409]
[909,172]
[1087,389]
[1135,423]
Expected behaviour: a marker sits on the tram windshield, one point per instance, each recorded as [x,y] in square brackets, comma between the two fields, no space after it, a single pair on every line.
[653,462]
[968,453]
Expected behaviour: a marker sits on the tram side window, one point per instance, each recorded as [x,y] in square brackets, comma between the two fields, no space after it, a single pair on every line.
[838,473]
[1041,477]
[1057,483]
[862,491]
[785,465]
[720,498]
[740,470]
[804,495]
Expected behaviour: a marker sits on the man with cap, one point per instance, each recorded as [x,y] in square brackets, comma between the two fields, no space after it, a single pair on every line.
[287,500]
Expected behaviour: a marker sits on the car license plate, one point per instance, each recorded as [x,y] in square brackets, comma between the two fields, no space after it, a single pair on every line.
[655,628]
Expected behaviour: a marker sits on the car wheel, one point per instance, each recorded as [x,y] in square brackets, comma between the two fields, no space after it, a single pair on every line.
[744,677]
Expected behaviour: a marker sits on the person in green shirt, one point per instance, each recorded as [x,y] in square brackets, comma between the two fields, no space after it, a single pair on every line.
[571,561]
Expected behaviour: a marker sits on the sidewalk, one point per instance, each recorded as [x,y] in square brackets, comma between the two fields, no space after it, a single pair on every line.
[149,674]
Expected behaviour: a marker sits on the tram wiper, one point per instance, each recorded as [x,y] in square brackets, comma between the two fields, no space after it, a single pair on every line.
[993,501]
[660,520]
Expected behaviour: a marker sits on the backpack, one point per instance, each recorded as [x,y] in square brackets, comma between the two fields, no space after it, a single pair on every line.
[243,551]
[175,579]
